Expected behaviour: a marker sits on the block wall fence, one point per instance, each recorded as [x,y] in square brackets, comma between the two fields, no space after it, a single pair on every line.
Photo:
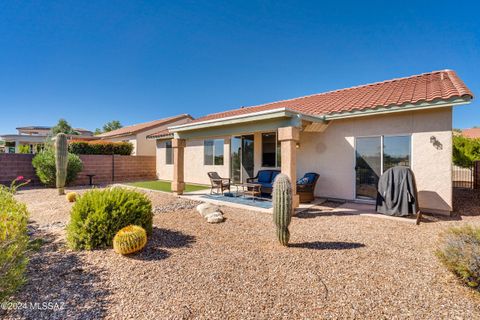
[106,168]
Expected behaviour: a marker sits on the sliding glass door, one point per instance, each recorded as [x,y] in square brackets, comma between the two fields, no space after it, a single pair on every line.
[242,160]
[368,168]
[374,155]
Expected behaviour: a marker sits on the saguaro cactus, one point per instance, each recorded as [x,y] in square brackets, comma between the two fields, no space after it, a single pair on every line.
[282,207]
[61,161]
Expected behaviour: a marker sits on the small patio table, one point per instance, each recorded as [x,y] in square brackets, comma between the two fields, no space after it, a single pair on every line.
[251,189]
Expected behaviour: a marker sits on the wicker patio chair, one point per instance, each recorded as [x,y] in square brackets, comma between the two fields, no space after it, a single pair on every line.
[218,182]
[306,186]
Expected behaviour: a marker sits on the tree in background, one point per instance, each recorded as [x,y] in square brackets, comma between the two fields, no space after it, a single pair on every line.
[63,127]
[23,148]
[465,151]
[109,126]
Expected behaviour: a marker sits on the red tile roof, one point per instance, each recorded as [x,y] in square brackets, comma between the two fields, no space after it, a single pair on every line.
[143,126]
[161,134]
[427,87]
[472,133]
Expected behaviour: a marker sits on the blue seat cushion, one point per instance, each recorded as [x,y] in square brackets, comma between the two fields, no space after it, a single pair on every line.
[264,176]
[311,177]
[274,175]
[303,180]
[266,185]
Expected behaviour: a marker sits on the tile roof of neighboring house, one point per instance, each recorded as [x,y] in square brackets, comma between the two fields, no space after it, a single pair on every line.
[471,133]
[426,87]
[48,128]
[143,126]
[161,134]
[34,128]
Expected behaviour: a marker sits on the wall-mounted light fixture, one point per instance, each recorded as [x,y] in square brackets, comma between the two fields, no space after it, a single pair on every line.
[297,145]
[437,144]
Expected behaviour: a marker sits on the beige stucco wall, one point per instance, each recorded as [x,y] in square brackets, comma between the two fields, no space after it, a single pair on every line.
[195,170]
[331,154]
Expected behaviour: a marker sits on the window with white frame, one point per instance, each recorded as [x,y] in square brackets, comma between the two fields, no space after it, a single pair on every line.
[213,152]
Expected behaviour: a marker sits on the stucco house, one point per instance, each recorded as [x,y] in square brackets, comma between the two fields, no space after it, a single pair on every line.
[348,136]
[137,133]
[34,138]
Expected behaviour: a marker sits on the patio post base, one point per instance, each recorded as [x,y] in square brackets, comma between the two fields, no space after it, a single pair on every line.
[178,187]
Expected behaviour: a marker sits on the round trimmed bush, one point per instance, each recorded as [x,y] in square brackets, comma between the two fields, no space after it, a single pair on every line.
[460,252]
[99,214]
[44,164]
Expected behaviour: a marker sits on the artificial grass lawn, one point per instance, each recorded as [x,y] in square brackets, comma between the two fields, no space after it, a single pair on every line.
[165,186]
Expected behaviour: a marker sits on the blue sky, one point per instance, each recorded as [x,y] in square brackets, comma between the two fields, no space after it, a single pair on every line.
[137,61]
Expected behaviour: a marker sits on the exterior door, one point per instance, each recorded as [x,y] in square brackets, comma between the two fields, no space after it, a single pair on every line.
[368,166]
[242,158]
[236,159]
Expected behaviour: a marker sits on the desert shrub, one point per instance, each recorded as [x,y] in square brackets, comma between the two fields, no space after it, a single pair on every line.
[460,253]
[100,147]
[44,164]
[99,214]
[24,148]
[465,151]
[13,243]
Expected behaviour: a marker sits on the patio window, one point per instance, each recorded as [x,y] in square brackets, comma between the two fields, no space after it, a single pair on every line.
[168,152]
[270,150]
[213,152]
[396,151]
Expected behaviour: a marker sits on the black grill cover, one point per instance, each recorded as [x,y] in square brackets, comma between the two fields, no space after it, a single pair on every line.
[397,192]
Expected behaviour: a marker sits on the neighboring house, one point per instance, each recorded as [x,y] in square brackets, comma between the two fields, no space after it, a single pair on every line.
[348,136]
[472,133]
[33,137]
[136,134]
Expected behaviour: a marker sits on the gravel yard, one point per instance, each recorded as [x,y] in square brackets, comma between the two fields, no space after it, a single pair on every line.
[338,266]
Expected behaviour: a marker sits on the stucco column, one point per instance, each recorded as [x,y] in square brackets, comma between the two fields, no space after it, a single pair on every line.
[289,136]
[178,184]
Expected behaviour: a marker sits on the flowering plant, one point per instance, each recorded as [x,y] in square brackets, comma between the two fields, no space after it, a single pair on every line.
[18,182]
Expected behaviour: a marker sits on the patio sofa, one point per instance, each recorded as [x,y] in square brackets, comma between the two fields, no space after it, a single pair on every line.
[265,178]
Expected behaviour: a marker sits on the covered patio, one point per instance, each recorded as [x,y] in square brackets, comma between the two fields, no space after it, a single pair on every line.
[244,137]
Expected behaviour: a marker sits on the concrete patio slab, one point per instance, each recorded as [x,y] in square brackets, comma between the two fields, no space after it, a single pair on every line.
[199,196]
[368,210]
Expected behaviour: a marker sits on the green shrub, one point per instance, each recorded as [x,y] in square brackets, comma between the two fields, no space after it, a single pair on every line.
[44,164]
[23,148]
[465,151]
[100,147]
[460,253]
[99,214]
[13,243]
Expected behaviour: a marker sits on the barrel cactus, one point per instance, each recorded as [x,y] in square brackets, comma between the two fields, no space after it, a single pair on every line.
[71,196]
[282,207]
[130,239]
[61,161]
